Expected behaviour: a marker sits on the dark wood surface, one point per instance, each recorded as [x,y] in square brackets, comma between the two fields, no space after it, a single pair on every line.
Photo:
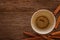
[15,16]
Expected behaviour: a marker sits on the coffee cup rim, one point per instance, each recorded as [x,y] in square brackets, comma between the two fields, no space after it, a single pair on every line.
[52,25]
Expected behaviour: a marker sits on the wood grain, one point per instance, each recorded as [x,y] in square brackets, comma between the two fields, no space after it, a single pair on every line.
[15,16]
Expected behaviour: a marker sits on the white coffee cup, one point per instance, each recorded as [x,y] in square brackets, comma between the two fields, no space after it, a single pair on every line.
[49,15]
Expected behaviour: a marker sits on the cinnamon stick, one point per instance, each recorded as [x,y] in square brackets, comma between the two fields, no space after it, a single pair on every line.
[29,34]
[56,33]
[35,38]
[54,36]
[57,10]
[57,23]
[47,38]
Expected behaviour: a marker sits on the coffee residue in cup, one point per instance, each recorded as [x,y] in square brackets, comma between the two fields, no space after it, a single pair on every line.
[42,22]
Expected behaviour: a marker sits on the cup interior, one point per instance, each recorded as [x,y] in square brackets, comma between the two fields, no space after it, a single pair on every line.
[49,15]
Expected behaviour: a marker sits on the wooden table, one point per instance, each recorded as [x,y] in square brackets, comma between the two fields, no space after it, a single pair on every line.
[15,16]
